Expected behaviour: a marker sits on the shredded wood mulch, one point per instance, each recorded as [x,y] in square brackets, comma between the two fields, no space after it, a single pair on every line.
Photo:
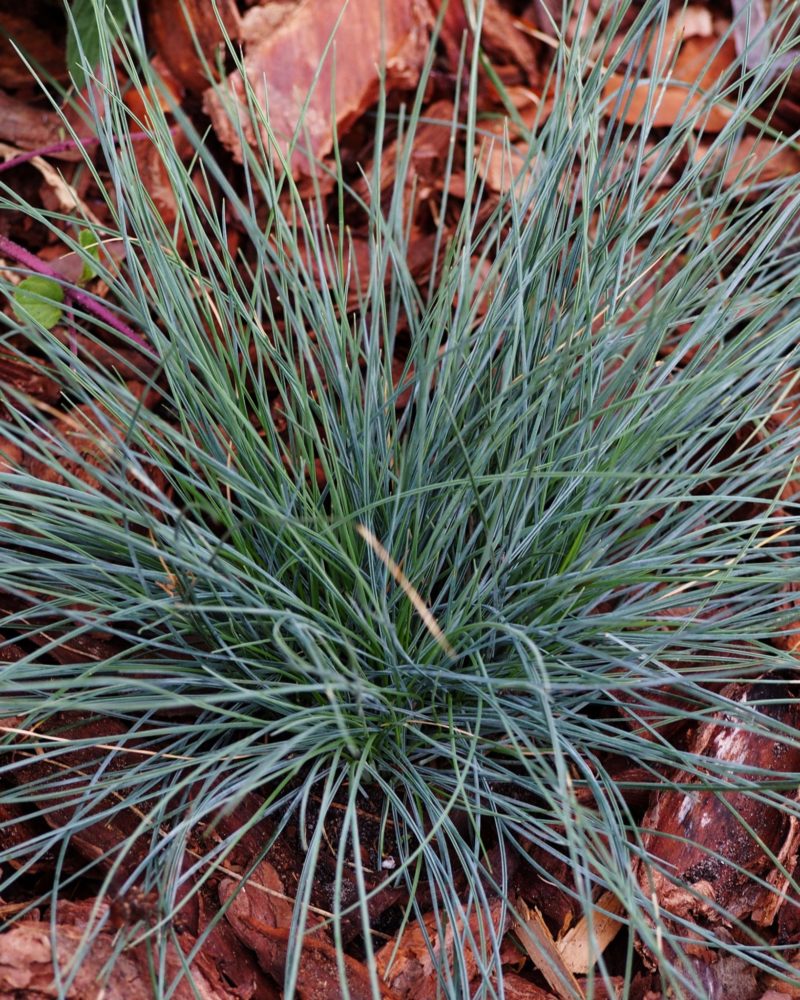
[243,955]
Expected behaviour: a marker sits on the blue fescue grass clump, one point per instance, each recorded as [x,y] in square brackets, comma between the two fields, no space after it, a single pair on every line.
[577,474]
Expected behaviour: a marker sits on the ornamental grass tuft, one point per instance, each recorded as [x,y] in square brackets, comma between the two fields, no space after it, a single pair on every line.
[463,553]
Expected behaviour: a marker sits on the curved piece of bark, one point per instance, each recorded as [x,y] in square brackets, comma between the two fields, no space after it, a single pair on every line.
[701,856]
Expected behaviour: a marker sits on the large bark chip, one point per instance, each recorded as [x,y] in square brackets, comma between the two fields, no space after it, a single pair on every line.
[282,68]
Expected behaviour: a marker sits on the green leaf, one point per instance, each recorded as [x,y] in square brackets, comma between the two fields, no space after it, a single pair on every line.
[83,35]
[89,241]
[39,299]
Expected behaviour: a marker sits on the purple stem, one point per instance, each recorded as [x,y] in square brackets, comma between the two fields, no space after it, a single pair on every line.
[67,144]
[8,248]
[56,147]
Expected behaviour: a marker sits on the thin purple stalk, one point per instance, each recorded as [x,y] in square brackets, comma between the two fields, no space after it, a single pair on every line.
[8,248]
[65,145]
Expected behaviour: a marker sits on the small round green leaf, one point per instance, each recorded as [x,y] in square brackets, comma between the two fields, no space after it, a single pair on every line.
[39,299]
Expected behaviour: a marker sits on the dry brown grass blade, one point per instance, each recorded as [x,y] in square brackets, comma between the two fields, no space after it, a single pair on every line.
[408,589]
